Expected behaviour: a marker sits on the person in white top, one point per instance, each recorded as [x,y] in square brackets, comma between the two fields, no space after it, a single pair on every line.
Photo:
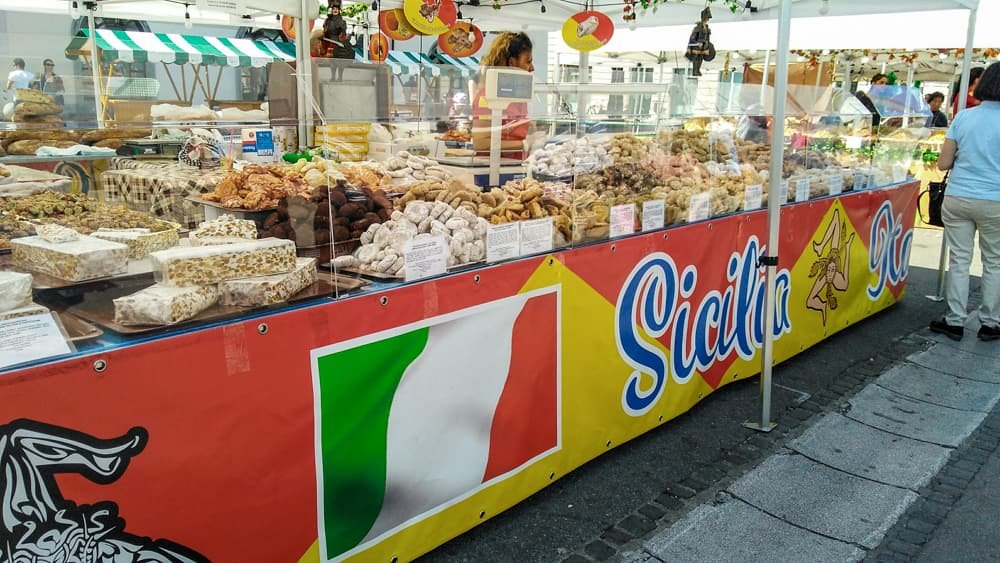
[19,78]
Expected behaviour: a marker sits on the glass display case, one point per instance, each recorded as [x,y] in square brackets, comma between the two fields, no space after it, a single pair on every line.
[396,187]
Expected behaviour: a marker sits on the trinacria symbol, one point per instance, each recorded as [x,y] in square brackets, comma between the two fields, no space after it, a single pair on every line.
[40,526]
[888,251]
[655,299]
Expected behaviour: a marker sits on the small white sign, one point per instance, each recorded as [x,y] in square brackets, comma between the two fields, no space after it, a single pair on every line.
[503,242]
[802,190]
[235,7]
[753,196]
[26,339]
[835,181]
[536,236]
[622,219]
[700,207]
[425,257]
[653,214]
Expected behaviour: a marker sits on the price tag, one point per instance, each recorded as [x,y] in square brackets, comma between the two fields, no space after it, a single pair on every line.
[503,242]
[859,181]
[622,219]
[699,208]
[536,236]
[753,197]
[653,213]
[802,190]
[836,183]
[425,257]
[26,339]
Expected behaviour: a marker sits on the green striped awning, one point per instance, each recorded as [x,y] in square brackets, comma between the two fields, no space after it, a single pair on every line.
[466,67]
[409,62]
[141,47]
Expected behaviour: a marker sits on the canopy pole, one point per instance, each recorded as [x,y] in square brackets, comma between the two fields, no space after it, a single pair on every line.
[909,90]
[582,98]
[963,87]
[763,77]
[303,62]
[775,198]
[847,77]
[95,71]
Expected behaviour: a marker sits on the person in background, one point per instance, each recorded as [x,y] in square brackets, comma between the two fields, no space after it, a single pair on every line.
[972,203]
[508,50]
[970,98]
[50,82]
[937,117]
[877,81]
[19,78]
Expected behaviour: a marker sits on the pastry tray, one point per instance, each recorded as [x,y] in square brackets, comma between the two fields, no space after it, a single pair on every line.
[78,329]
[98,308]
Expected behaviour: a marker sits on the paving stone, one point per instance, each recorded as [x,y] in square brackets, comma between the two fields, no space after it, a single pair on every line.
[576,558]
[913,537]
[908,549]
[616,536]
[975,456]
[638,557]
[939,388]
[599,550]
[873,454]
[920,526]
[637,525]
[737,532]
[949,359]
[969,344]
[681,491]
[652,512]
[854,510]
[670,501]
[959,473]
[901,415]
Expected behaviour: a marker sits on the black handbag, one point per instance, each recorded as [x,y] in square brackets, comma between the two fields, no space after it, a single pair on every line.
[935,198]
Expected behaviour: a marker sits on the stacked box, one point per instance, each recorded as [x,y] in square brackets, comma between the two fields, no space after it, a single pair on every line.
[83,259]
[268,290]
[205,265]
[15,290]
[140,242]
[163,305]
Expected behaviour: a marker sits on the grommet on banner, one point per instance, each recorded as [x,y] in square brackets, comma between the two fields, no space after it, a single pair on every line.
[608,444]
[764,261]
[552,476]
[262,328]
[476,278]
[551,261]
[100,366]
[384,300]
[482,514]
[613,248]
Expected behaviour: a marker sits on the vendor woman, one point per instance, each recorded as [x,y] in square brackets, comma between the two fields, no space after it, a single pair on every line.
[508,50]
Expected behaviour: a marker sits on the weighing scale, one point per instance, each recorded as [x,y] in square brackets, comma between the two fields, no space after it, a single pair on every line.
[504,86]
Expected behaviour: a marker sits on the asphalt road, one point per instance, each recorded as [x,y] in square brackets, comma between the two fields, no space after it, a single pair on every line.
[577,508]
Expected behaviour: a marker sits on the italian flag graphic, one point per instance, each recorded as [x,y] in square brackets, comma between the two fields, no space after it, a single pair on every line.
[411,420]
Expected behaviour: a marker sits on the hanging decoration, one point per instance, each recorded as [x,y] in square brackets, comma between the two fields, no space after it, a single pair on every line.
[393,23]
[430,17]
[288,26]
[700,47]
[378,47]
[586,31]
[629,11]
[463,40]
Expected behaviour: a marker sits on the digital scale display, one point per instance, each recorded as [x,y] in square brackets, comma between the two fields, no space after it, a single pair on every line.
[517,86]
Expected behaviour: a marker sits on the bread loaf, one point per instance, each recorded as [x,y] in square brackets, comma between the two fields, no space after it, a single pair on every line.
[50,120]
[91,137]
[110,143]
[36,109]
[33,96]
[38,135]
[30,147]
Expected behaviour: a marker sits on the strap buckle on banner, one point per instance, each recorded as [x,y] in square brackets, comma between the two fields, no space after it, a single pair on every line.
[765,261]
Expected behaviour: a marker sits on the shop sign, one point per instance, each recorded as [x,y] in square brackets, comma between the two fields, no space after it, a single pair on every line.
[393,23]
[430,17]
[235,7]
[463,40]
[587,31]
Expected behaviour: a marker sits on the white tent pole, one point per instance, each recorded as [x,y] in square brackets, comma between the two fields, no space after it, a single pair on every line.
[963,87]
[847,77]
[763,78]
[775,198]
[909,90]
[582,97]
[95,69]
[303,71]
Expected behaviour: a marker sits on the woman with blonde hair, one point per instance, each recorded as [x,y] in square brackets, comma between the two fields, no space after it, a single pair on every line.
[512,50]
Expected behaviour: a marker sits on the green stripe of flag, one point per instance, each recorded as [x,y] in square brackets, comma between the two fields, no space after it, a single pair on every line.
[244,59]
[180,55]
[356,388]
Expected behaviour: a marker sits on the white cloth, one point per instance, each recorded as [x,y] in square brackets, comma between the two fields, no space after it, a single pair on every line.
[20,78]
[962,218]
[76,150]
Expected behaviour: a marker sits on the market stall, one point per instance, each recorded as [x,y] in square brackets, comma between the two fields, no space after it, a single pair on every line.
[362,360]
